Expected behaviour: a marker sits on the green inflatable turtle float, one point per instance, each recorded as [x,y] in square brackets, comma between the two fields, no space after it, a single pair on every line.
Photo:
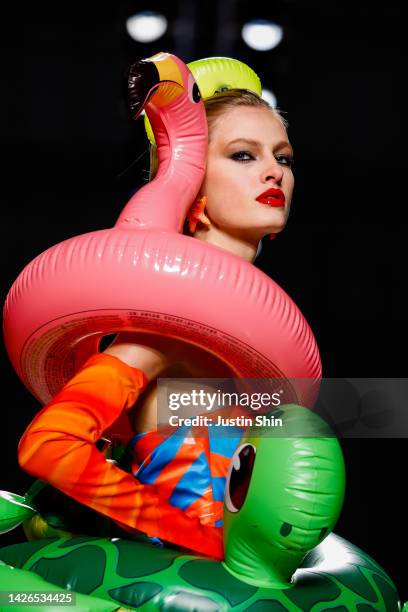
[283,496]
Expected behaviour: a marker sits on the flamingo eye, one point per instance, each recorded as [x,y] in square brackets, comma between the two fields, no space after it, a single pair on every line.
[239,477]
[193,91]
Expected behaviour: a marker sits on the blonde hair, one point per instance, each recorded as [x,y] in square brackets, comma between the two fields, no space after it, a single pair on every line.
[222,102]
[215,107]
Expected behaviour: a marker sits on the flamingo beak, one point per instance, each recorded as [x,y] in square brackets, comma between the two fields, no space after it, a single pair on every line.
[158,76]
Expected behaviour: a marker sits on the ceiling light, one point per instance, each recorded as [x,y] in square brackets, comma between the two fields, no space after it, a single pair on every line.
[269,97]
[146,26]
[261,34]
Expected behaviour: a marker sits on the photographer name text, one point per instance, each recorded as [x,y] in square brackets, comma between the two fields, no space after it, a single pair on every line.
[239,421]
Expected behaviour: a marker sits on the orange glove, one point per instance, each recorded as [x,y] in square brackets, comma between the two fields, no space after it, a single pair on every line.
[59,447]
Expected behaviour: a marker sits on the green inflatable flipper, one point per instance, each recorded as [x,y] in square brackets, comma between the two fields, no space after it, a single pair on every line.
[14,509]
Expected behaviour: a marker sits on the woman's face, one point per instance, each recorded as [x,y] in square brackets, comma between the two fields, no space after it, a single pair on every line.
[249,180]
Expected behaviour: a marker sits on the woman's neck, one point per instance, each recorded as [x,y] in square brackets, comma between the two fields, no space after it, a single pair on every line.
[233,243]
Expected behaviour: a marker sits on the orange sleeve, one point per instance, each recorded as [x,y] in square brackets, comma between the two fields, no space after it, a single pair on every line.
[59,447]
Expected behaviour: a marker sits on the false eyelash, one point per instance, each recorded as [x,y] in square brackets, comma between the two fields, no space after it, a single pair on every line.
[290,160]
[234,156]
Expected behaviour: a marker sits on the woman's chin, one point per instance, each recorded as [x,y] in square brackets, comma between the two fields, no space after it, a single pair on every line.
[277,227]
[276,217]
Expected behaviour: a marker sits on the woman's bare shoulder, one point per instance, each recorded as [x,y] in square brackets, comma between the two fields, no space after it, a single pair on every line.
[141,354]
[158,355]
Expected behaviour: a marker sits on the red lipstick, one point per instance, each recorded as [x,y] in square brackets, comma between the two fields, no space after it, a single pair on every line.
[272,197]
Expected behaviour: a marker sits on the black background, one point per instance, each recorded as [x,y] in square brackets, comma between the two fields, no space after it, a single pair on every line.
[67,142]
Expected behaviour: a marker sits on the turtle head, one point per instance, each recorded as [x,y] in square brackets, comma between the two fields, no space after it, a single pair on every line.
[283,496]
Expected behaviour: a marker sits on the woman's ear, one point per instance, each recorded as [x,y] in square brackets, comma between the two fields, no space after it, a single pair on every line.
[196,213]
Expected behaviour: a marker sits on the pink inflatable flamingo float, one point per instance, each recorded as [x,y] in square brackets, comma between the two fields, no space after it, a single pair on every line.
[144,275]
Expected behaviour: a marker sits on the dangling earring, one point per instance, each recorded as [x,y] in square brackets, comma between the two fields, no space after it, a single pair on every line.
[272,236]
[196,214]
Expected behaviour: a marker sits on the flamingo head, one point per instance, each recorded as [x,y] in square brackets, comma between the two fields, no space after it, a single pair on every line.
[164,86]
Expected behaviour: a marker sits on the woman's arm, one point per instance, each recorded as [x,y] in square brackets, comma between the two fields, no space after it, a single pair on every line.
[59,444]
[59,447]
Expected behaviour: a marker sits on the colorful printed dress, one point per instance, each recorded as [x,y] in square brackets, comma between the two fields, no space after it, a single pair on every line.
[190,470]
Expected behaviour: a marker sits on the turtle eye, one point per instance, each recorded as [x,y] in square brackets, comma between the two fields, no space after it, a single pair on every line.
[239,477]
[193,91]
